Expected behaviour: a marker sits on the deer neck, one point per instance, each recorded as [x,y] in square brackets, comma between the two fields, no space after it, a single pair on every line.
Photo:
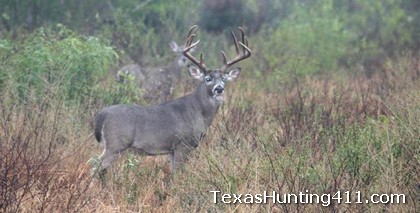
[207,103]
[175,69]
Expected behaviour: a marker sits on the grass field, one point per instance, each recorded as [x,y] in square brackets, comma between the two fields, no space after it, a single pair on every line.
[322,135]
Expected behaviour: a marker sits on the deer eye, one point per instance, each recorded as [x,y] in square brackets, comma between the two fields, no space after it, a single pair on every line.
[208,79]
[224,79]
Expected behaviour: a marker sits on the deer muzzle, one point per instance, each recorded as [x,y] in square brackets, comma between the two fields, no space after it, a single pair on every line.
[218,90]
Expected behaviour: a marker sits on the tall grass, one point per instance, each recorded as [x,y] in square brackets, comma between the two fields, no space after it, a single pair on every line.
[317,134]
[39,145]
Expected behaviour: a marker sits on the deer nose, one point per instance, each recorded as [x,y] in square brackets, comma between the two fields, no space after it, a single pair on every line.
[218,90]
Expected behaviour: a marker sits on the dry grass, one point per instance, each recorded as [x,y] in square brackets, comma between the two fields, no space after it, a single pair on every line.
[322,135]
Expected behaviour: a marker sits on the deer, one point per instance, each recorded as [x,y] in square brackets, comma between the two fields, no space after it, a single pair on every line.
[157,82]
[174,127]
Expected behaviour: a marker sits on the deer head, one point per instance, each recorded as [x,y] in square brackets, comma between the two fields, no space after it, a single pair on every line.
[215,79]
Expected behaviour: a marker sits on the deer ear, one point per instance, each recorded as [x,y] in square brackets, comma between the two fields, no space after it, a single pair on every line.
[174,46]
[233,74]
[195,72]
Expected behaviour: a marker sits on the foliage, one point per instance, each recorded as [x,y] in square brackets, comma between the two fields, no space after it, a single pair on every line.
[36,140]
[314,37]
[51,58]
[125,93]
[303,115]
[217,15]
[144,30]
[27,14]
[379,27]
[324,36]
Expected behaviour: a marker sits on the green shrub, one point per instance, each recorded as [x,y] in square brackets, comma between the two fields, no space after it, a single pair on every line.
[378,28]
[58,60]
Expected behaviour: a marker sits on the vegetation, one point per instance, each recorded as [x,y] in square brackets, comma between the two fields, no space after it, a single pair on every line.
[328,102]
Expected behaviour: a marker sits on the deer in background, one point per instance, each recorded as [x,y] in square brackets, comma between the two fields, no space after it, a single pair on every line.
[172,128]
[157,82]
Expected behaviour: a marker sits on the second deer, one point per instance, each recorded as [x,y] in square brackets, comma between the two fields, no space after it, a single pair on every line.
[157,82]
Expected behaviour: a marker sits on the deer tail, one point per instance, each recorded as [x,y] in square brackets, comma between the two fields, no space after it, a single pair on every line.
[99,123]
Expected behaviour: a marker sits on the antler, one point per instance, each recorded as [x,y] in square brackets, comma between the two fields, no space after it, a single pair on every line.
[189,45]
[246,52]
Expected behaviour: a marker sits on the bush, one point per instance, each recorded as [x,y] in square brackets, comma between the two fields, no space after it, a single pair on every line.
[322,37]
[57,57]
[314,38]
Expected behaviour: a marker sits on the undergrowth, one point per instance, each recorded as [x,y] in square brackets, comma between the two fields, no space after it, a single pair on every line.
[317,135]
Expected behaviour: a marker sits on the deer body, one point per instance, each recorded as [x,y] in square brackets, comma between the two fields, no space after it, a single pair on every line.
[172,128]
[158,129]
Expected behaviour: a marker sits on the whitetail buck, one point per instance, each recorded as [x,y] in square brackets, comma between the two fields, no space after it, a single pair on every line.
[175,127]
[157,82]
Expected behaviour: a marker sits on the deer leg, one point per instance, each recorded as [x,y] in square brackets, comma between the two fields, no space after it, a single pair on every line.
[172,160]
[179,155]
[167,170]
[179,159]
[106,159]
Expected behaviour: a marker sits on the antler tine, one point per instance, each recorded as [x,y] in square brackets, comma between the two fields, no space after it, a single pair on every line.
[246,52]
[244,44]
[235,41]
[189,45]
[193,30]
[224,57]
